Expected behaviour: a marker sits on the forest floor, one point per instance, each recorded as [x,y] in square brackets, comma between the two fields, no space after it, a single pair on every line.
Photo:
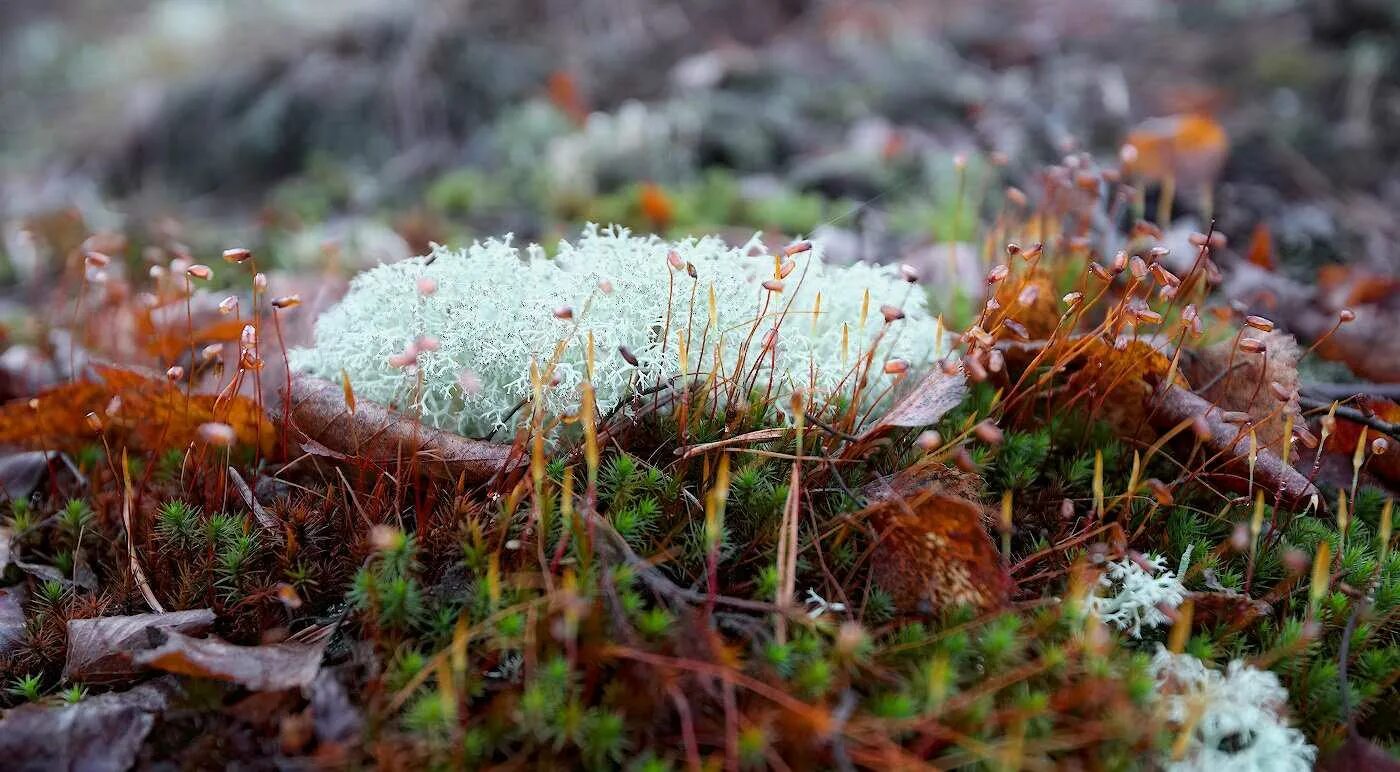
[1136,513]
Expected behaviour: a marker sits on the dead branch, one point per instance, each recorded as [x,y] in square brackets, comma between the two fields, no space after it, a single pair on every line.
[377,435]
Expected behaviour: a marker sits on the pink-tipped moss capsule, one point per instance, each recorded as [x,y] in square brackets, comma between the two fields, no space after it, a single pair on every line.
[217,434]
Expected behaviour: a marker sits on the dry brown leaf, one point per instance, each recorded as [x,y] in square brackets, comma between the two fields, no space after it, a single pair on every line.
[376,435]
[11,618]
[20,473]
[270,667]
[1357,753]
[101,649]
[1110,379]
[169,342]
[934,552]
[1246,387]
[1343,440]
[928,401]
[103,733]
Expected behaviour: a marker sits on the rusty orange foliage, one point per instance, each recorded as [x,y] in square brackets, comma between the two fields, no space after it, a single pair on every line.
[1107,368]
[1343,439]
[656,205]
[168,343]
[143,409]
[1190,148]
[1041,315]
[564,94]
[1261,247]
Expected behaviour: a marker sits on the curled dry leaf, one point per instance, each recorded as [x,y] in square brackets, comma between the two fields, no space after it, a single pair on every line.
[102,733]
[1228,463]
[270,667]
[1367,344]
[1245,387]
[375,434]
[930,399]
[933,552]
[1111,377]
[102,649]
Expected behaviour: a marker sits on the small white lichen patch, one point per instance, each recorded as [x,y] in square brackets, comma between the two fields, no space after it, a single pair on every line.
[1233,720]
[1138,594]
[454,334]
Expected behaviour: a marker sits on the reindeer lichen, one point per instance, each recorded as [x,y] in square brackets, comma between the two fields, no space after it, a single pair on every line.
[454,334]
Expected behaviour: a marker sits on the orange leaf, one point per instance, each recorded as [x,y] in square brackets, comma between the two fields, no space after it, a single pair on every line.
[656,205]
[1261,247]
[564,94]
[1190,148]
[170,342]
[1343,439]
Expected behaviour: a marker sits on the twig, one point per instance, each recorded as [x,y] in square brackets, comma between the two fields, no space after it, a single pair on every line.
[837,433]
[1353,415]
[1210,384]
[619,549]
[1331,391]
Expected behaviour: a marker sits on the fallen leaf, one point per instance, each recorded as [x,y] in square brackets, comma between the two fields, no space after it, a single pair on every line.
[1189,149]
[11,618]
[1110,378]
[270,667]
[336,719]
[930,399]
[20,473]
[564,94]
[934,552]
[101,649]
[1344,438]
[103,733]
[169,342]
[1246,387]
[376,435]
[1261,247]
[1358,753]
[656,206]
[1367,344]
